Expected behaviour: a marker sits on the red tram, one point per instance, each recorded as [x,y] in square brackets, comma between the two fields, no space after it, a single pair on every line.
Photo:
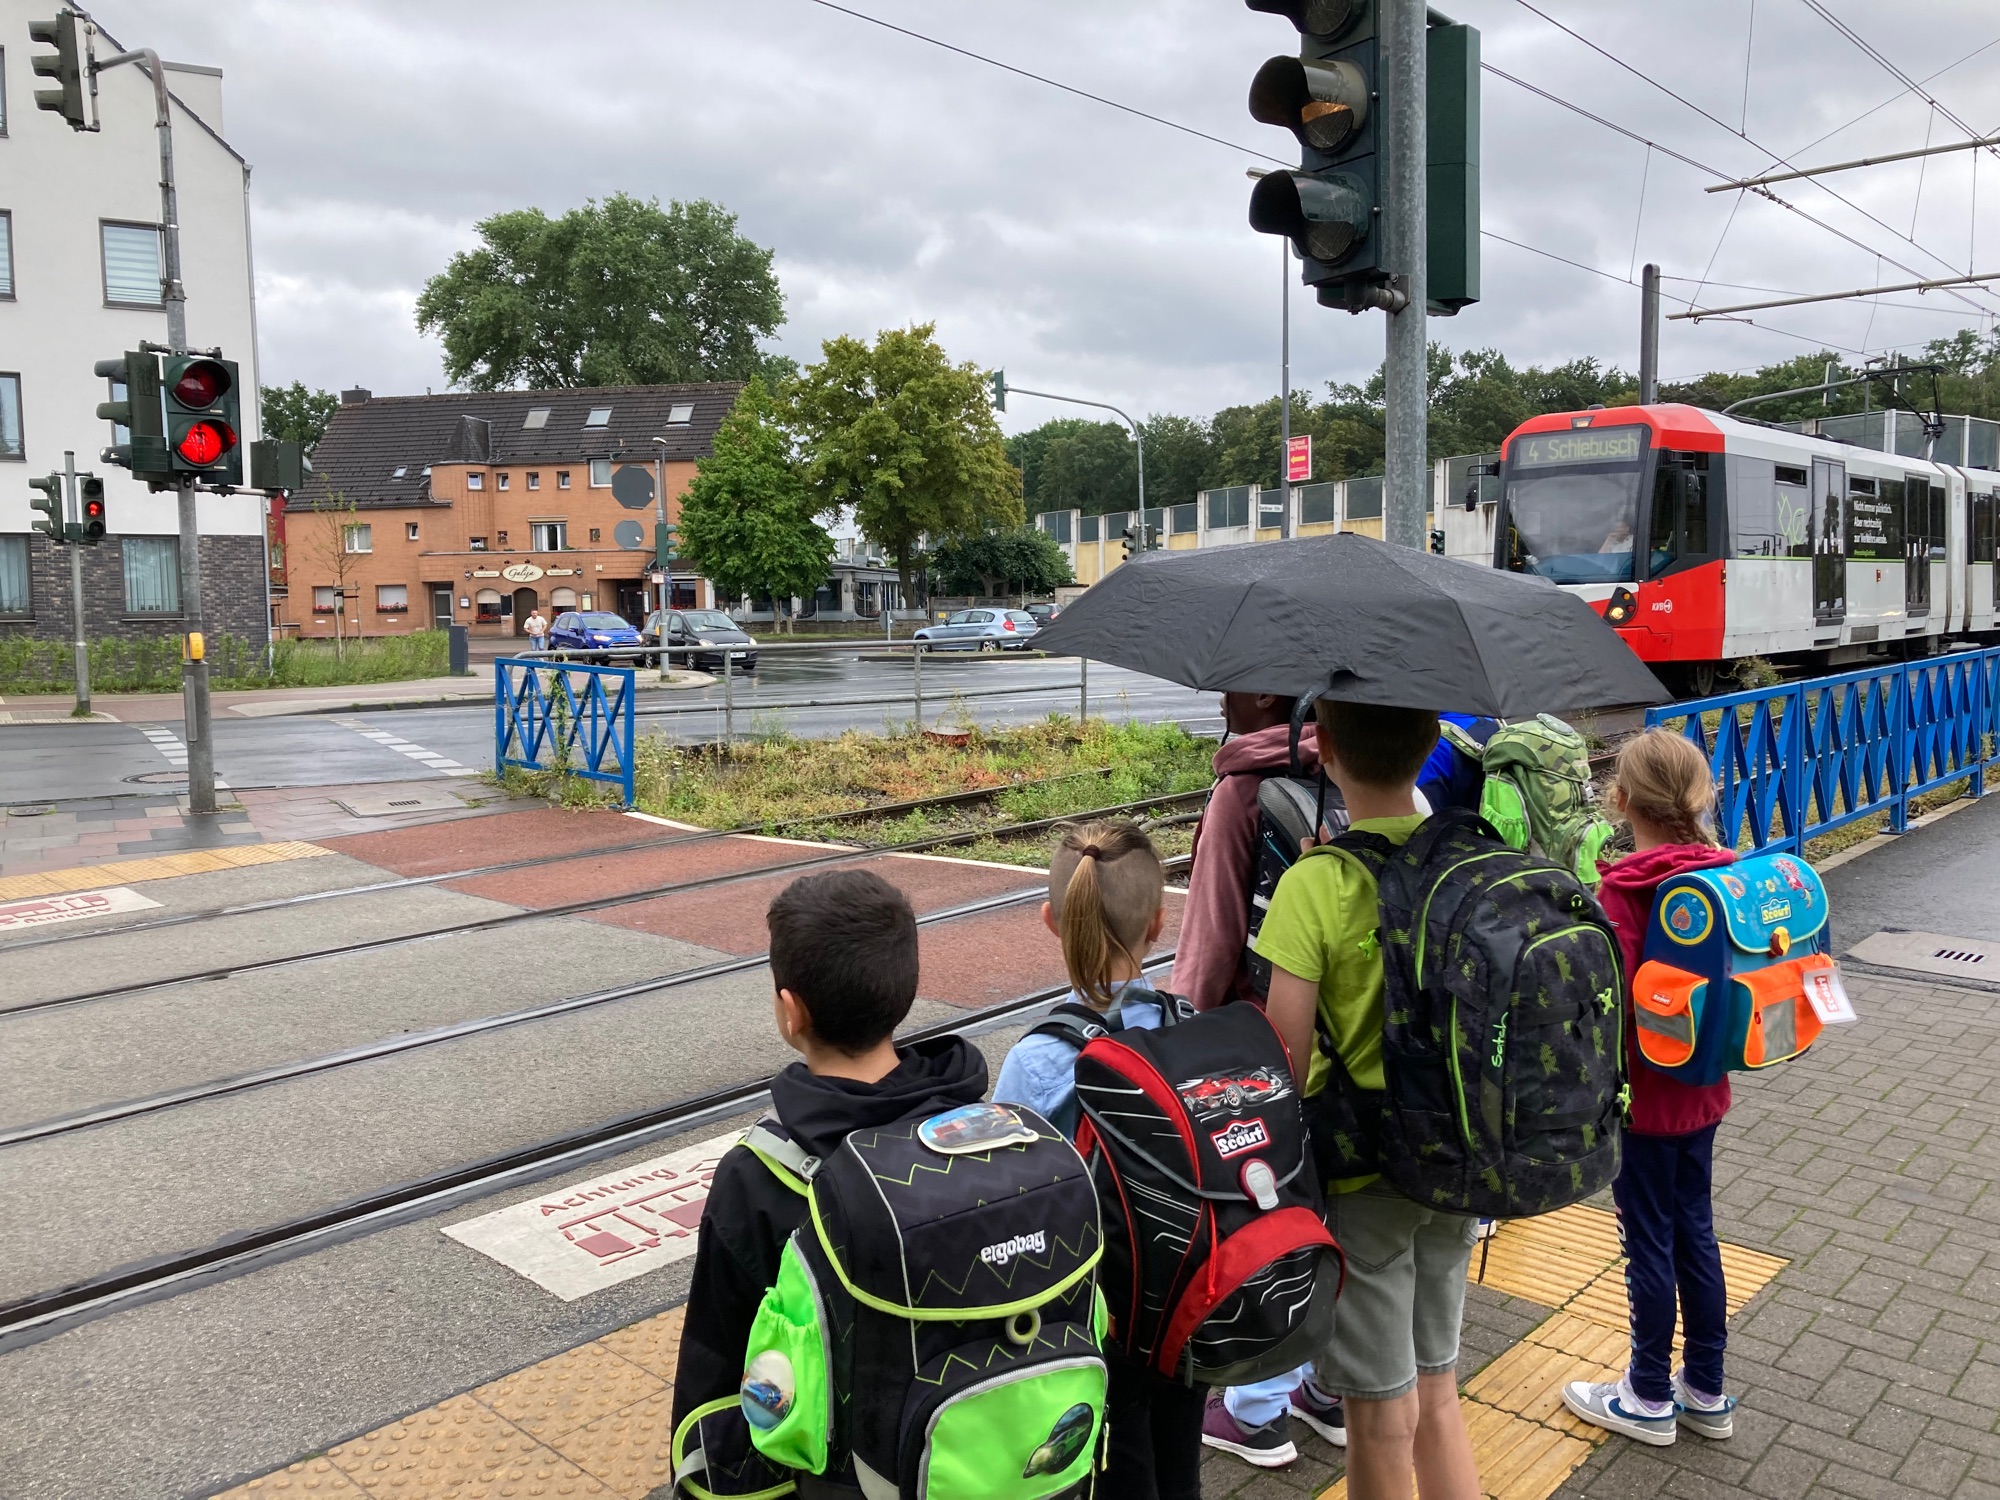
[1704,539]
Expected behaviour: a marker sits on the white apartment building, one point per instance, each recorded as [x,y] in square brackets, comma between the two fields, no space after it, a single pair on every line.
[80,262]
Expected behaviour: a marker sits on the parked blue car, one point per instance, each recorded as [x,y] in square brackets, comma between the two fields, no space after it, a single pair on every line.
[981,630]
[591,630]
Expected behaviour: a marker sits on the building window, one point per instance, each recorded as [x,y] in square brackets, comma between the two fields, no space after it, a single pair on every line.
[600,416]
[502,479]
[10,417]
[538,416]
[489,607]
[6,253]
[562,479]
[600,473]
[326,600]
[399,471]
[596,535]
[475,481]
[548,536]
[357,538]
[14,596]
[562,598]
[534,479]
[152,575]
[3,90]
[392,598]
[503,539]
[410,530]
[131,264]
[680,414]
[477,544]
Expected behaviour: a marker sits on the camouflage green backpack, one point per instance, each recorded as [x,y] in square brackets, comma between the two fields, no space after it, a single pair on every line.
[1538,793]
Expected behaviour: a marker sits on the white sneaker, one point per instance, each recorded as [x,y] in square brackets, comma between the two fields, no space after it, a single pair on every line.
[1608,1404]
[1711,1419]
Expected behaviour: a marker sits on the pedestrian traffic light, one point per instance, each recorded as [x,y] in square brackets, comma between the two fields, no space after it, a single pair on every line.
[138,431]
[202,406]
[88,528]
[1132,539]
[1329,98]
[998,381]
[50,503]
[69,34]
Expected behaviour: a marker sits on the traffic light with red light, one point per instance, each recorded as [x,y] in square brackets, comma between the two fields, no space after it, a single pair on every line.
[203,409]
[89,527]
[50,505]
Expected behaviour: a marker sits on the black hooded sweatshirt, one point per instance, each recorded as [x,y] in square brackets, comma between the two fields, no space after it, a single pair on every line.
[750,1214]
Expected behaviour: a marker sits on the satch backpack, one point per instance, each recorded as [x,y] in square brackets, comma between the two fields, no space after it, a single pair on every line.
[1290,808]
[936,1322]
[1537,791]
[1218,1267]
[1736,974]
[1502,1052]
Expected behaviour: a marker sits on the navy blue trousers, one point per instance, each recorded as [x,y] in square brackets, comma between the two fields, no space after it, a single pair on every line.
[1667,1225]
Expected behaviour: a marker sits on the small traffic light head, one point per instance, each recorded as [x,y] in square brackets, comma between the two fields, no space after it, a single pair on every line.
[998,381]
[1325,215]
[91,503]
[1327,18]
[201,408]
[50,505]
[1324,104]
[65,65]
[202,382]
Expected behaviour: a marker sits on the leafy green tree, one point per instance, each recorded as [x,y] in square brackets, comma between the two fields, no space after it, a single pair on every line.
[1093,469]
[748,521]
[1021,559]
[1179,455]
[1026,451]
[618,293]
[908,439]
[296,413]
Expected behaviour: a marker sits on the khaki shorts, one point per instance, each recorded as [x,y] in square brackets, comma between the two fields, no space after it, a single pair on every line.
[1399,1315]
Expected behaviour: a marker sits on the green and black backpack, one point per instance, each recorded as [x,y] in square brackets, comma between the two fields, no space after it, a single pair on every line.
[1537,791]
[1502,1048]
[936,1322]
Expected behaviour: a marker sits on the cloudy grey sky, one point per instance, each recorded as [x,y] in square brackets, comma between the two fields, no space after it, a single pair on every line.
[1082,249]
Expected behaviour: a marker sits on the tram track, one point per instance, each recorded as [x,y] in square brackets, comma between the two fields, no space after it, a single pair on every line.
[836,855]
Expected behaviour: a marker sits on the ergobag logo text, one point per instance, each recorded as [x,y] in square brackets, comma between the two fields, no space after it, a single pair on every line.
[998,1255]
[1244,1135]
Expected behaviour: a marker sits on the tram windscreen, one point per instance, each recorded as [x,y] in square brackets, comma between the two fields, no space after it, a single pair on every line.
[1573,503]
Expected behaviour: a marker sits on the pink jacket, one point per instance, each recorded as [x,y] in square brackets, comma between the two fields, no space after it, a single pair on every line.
[1215,922]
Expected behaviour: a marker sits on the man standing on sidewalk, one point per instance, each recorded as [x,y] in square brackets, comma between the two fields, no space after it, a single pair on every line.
[538,631]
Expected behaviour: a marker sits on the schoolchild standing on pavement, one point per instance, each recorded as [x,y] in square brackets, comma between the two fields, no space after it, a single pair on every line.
[1106,906]
[1666,1219]
[1394,1353]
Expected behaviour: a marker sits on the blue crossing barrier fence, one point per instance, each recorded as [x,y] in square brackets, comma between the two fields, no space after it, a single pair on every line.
[564,716]
[1800,760]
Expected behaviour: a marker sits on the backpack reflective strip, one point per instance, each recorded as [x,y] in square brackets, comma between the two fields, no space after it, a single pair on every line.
[1677,1027]
[789,1162]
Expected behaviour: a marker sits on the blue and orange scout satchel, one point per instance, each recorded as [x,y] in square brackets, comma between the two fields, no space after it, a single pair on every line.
[1736,974]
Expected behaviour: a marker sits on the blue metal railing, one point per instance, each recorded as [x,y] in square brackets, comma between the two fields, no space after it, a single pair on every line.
[564,717]
[1803,759]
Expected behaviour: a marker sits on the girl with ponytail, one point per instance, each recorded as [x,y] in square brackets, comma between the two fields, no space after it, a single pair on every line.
[1666,791]
[1106,908]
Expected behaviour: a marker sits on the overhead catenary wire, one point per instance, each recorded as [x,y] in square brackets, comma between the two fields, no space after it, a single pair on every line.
[1869,50]
[1878,108]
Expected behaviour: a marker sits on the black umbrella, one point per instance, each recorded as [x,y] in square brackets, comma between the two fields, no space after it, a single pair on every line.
[1359,620]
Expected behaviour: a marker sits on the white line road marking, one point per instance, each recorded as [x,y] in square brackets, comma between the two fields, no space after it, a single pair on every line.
[583,1237]
[39,911]
[401,746]
[169,744]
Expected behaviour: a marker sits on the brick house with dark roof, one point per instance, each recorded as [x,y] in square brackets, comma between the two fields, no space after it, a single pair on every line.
[475,508]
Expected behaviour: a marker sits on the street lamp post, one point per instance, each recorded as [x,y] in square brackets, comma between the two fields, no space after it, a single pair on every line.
[660,500]
[1284,370]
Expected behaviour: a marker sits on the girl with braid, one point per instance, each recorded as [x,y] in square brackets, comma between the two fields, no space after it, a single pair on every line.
[1666,1221]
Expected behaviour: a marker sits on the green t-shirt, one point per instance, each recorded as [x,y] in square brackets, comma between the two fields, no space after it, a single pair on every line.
[1321,927]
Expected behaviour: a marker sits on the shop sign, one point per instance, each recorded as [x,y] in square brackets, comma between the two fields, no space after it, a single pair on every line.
[521,573]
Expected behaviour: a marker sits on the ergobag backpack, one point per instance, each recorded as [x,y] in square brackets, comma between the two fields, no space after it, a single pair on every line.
[1290,808]
[1502,1046]
[1218,1266]
[1537,791]
[1735,959]
[936,1321]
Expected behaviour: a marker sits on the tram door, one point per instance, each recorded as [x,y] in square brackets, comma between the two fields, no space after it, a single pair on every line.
[1923,528]
[1829,541]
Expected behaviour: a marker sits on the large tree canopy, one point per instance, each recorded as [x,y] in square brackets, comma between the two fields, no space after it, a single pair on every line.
[907,438]
[992,562]
[747,521]
[295,413]
[619,293]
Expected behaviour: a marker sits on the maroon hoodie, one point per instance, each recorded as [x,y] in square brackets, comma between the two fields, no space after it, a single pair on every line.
[1215,921]
[1660,1105]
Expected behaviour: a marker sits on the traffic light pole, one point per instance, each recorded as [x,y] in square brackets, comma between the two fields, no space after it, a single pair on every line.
[75,508]
[1138,441]
[1406,467]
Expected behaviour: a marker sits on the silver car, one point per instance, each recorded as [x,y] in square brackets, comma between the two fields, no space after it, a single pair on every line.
[981,630]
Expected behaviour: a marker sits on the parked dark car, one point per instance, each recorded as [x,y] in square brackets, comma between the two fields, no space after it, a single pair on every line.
[704,631]
[981,630]
[1045,614]
[590,630]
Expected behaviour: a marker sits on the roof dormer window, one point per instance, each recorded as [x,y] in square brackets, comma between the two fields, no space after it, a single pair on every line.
[600,416]
[537,417]
[680,414]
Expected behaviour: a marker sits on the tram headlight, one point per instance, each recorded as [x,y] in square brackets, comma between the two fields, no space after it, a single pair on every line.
[1621,609]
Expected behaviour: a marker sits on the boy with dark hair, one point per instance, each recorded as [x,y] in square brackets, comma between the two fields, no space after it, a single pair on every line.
[1395,1346]
[844,974]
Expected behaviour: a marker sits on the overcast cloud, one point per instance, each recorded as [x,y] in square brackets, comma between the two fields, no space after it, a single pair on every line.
[1082,249]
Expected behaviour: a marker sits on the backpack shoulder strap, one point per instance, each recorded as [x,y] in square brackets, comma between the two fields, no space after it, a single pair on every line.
[789,1162]
[1078,1025]
[1468,741]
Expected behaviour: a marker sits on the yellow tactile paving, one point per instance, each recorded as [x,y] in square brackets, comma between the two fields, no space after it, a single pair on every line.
[630,1450]
[652,1345]
[562,1394]
[437,1452]
[1548,1259]
[157,867]
[312,1476]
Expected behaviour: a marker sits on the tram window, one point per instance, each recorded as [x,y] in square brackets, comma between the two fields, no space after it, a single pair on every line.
[1874,519]
[1937,526]
[1770,508]
[1679,530]
[1981,508]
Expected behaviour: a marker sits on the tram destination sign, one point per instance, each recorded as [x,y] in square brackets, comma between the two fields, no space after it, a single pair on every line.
[1610,445]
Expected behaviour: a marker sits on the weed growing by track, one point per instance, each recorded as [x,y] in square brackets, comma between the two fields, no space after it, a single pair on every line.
[779,780]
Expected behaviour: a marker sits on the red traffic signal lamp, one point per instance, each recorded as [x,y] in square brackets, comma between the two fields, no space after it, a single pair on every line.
[89,528]
[203,404]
